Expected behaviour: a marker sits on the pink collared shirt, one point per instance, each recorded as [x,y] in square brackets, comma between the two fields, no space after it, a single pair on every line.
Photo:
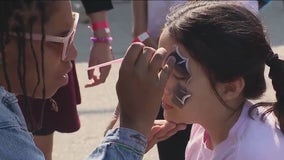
[248,139]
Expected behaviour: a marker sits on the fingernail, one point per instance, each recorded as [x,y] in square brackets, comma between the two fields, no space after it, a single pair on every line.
[161,51]
[183,127]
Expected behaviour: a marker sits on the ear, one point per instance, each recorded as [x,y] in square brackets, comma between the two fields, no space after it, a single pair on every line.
[231,90]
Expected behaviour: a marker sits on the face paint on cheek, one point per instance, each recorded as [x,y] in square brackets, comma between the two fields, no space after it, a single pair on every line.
[181,96]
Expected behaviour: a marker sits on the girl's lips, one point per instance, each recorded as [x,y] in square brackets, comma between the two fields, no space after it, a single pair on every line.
[166,106]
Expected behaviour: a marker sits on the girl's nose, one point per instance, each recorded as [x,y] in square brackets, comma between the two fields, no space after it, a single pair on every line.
[168,91]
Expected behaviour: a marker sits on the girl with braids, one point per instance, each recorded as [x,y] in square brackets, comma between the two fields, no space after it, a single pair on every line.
[220,52]
[57,114]
[36,50]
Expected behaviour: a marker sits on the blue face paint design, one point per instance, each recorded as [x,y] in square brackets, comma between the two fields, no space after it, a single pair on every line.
[181,69]
[181,95]
[181,72]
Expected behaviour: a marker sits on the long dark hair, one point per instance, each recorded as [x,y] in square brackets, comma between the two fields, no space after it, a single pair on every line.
[13,20]
[229,42]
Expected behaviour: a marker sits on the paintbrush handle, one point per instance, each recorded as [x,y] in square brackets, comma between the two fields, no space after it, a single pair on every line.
[106,64]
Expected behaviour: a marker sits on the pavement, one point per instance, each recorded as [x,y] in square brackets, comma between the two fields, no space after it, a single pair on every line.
[99,102]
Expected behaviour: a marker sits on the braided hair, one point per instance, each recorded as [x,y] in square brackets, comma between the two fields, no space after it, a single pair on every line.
[13,19]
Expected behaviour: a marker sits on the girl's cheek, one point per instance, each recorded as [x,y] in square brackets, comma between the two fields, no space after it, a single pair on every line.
[181,95]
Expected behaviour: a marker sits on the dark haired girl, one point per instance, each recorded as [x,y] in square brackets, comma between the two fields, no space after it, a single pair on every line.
[220,52]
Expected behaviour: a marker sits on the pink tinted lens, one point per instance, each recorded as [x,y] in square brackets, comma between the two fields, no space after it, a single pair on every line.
[70,41]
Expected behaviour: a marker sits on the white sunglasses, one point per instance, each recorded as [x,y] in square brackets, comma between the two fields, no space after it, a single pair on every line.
[67,40]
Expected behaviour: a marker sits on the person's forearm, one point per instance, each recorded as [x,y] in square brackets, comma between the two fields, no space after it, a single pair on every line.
[121,144]
[140,23]
[140,14]
[98,17]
